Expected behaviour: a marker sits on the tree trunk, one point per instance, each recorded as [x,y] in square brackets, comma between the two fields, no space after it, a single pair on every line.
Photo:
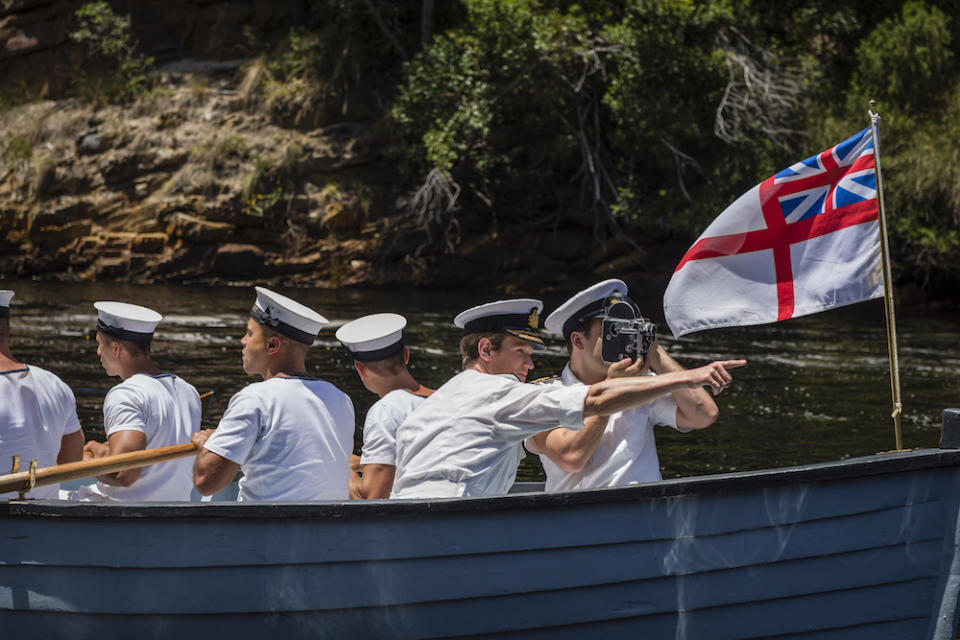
[426,21]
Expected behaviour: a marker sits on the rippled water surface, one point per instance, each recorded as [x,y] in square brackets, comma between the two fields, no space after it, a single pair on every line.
[816,388]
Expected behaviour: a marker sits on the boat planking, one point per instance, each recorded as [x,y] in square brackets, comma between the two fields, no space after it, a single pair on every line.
[863,548]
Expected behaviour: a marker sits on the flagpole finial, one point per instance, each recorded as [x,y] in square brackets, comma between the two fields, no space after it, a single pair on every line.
[872,112]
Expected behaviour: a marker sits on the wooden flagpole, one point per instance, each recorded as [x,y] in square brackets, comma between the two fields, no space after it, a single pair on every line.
[887,283]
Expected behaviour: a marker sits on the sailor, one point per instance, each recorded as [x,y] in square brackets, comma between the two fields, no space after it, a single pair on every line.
[150,408]
[38,412]
[465,439]
[619,449]
[375,343]
[290,434]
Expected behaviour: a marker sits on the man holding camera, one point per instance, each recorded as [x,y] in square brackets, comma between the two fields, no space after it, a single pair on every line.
[619,449]
[464,440]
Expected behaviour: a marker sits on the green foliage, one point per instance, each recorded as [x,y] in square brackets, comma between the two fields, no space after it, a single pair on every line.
[340,57]
[16,148]
[494,102]
[907,61]
[261,205]
[107,38]
[523,96]
[266,191]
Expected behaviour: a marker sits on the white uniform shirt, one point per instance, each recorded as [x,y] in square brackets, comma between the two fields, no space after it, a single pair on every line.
[166,409]
[380,427]
[465,439]
[36,410]
[627,452]
[292,437]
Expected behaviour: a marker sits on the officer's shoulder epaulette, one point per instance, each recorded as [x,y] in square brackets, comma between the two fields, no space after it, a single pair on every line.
[545,380]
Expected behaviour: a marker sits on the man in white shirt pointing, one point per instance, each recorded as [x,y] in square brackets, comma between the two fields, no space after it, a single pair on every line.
[465,439]
[619,449]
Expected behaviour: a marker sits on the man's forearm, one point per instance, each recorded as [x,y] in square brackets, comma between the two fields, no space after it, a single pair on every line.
[619,394]
[212,472]
[571,449]
[695,406]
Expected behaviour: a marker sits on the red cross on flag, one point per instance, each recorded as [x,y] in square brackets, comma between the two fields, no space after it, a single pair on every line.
[804,240]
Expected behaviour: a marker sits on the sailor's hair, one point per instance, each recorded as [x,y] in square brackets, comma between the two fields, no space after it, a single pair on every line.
[469,344]
[389,366]
[583,327]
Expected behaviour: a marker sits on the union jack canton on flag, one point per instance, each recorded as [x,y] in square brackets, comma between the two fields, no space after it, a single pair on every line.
[804,240]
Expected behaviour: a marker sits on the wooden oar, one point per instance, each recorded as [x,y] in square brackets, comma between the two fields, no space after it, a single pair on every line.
[22,482]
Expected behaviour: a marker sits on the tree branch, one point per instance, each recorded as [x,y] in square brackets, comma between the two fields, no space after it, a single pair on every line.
[384,29]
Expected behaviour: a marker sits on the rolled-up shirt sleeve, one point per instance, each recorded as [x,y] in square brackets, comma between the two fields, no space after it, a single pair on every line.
[534,408]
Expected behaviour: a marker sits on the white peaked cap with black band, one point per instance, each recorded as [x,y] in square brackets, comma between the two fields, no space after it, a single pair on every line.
[583,306]
[126,321]
[519,317]
[286,316]
[372,338]
[5,295]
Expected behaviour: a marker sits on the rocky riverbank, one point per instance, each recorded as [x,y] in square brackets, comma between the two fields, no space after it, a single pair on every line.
[193,183]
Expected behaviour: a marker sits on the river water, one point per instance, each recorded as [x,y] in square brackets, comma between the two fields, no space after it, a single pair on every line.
[815,388]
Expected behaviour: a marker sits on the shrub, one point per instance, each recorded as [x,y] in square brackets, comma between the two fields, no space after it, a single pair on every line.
[107,36]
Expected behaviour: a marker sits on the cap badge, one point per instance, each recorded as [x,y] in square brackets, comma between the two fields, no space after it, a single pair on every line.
[533,321]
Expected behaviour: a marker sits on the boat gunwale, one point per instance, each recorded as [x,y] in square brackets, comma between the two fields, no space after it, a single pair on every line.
[875,465]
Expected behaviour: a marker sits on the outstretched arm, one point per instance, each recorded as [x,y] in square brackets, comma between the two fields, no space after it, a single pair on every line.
[613,395]
[695,408]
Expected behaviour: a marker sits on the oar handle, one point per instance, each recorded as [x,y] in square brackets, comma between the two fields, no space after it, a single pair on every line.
[89,468]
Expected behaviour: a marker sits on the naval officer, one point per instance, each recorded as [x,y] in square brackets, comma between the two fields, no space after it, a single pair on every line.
[150,408]
[465,439]
[375,343]
[290,434]
[38,412]
[619,449]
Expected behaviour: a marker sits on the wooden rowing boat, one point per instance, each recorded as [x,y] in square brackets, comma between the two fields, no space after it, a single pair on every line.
[862,548]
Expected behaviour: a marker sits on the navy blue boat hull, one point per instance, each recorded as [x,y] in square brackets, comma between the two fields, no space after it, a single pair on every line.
[865,548]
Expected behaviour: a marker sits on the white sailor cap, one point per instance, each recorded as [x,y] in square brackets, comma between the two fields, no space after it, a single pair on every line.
[126,321]
[5,295]
[587,304]
[287,317]
[372,338]
[519,317]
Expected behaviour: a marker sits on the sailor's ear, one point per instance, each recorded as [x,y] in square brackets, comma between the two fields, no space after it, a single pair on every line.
[273,344]
[576,339]
[484,348]
[406,356]
[361,369]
